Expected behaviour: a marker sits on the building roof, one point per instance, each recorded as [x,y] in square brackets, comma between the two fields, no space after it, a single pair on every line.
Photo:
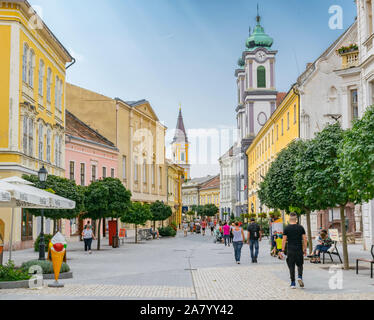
[212,184]
[78,129]
[280,97]
[180,131]
[197,181]
[258,39]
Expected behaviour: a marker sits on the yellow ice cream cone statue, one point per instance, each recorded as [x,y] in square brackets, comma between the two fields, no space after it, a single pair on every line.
[57,259]
[58,250]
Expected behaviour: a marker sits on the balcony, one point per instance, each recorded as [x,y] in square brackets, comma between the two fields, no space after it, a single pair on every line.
[350,56]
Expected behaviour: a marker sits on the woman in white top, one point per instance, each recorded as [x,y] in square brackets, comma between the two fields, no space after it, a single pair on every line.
[88,235]
[238,240]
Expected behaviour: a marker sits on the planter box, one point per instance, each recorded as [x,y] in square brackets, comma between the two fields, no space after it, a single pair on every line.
[65,275]
[14,284]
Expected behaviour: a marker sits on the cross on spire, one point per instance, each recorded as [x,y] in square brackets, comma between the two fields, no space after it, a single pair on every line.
[258,18]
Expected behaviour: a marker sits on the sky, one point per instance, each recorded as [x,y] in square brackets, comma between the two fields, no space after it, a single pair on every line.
[174,52]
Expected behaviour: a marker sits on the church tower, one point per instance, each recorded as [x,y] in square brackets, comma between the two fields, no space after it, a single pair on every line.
[180,146]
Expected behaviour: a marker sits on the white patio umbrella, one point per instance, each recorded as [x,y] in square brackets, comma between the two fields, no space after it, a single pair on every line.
[20,193]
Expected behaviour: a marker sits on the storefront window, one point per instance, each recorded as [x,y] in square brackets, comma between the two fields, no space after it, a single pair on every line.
[26,228]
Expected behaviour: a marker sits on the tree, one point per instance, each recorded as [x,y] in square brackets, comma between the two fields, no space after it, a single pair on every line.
[356,159]
[160,212]
[62,187]
[318,177]
[279,191]
[138,214]
[107,198]
[190,213]
[209,210]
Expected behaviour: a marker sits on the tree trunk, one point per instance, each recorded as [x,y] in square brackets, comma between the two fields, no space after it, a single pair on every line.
[98,236]
[104,231]
[154,226]
[344,238]
[309,227]
[136,233]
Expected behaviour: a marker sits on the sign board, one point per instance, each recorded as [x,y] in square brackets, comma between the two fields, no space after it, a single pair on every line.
[122,233]
[277,227]
[334,234]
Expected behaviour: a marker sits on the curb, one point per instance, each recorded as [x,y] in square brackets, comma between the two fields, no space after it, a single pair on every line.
[14,284]
[65,275]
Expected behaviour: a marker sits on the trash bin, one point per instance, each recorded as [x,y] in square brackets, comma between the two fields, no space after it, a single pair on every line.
[115,241]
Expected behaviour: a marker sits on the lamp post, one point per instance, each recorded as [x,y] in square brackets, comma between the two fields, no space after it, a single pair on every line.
[42,175]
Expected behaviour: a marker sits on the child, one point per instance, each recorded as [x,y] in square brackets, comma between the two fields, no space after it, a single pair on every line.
[274,244]
[279,241]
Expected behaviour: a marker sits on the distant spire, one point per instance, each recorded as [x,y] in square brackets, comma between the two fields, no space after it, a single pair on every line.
[258,18]
[180,131]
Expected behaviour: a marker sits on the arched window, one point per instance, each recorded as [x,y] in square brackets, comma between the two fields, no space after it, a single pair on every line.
[49,80]
[49,145]
[261,77]
[31,68]
[41,140]
[41,77]
[24,62]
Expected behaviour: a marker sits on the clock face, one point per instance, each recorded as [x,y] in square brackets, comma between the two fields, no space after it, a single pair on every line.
[261,56]
[262,118]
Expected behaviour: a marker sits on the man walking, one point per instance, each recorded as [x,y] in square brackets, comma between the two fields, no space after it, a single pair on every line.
[294,237]
[254,236]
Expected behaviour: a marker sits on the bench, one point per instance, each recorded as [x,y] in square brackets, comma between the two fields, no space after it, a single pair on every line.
[368,261]
[332,251]
[145,234]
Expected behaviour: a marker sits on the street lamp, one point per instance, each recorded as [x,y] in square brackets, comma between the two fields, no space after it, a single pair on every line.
[42,175]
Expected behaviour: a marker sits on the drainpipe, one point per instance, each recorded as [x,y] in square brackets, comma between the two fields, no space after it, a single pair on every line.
[73,62]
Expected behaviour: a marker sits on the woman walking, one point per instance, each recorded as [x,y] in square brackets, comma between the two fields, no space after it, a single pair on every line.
[238,241]
[88,235]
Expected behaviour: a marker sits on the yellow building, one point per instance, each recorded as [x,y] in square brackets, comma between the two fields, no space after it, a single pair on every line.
[279,131]
[136,131]
[32,104]
[210,192]
[174,195]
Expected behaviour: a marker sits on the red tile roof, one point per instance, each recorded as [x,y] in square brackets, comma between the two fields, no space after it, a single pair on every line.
[280,97]
[77,128]
[212,184]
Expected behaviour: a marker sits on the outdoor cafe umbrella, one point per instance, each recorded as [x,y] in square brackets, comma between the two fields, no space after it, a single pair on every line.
[24,195]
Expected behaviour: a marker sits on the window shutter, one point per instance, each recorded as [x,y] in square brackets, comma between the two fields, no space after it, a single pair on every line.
[261,77]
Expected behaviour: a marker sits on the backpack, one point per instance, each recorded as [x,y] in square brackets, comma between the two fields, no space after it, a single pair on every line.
[254,229]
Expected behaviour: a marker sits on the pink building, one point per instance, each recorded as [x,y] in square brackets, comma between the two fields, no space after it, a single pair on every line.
[89,156]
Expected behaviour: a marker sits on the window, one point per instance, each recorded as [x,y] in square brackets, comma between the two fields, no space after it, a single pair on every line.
[282,128]
[277,132]
[31,68]
[369,18]
[124,167]
[24,62]
[112,173]
[93,173]
[294,114]
[71,171]
[83,174]
[49,79]
[57,89]
[182,157]
[41,138]
[144,171]
[153,174]
[41,77]
[31,137]
[25,134]
[288,121]
[26,226]
[160,177]
[261,77]
[354,104]
[136,169]
[49,136]
[58,150]
[104,172]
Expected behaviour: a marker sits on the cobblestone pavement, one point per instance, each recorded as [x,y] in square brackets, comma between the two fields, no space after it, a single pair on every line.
[190,268]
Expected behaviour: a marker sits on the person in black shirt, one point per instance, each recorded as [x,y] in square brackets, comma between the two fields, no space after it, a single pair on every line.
[295,238]
[254,236]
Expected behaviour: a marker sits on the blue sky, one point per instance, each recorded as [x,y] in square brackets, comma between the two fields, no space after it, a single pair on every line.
[185,51]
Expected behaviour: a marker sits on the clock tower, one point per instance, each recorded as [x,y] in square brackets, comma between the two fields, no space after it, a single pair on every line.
[257,98]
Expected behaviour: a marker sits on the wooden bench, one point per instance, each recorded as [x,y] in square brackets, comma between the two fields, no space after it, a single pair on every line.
[368,261]
[332,251]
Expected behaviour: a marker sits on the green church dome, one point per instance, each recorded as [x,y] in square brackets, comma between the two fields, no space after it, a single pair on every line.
[259,39]
[241,63]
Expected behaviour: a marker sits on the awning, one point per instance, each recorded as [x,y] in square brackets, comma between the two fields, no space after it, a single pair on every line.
[24,195]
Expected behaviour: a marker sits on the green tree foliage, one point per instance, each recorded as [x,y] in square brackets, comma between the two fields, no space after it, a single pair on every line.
[318,176]
[160,212]
[356,159]
[209,210]
[138,214]
[107,198]
[62,187]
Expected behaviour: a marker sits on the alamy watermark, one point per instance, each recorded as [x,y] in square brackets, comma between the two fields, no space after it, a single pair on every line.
[336,17]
